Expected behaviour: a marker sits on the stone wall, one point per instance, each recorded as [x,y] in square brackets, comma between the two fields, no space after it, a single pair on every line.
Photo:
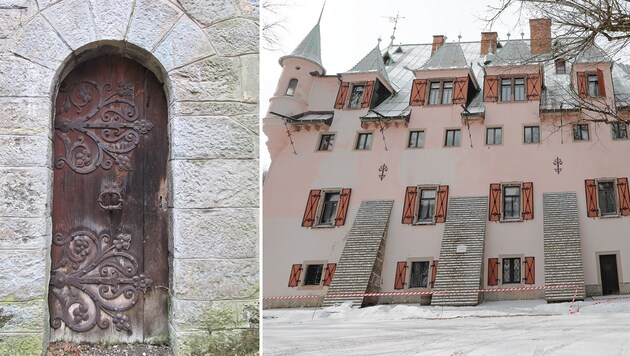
[206,53]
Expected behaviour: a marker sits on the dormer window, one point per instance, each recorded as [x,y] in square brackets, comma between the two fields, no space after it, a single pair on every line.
[561,66]
[291,88]
[593,85]
[356,96]
[512,89]
[441,93]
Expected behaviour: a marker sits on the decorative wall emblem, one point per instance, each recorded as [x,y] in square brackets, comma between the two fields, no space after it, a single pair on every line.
[98,126]
[557,162]
[382,169]
[96,280]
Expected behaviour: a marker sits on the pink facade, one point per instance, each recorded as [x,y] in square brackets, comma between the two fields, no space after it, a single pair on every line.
[468,169]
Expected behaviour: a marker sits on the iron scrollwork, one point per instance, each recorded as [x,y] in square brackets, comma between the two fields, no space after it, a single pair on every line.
[98,126]
[95,277]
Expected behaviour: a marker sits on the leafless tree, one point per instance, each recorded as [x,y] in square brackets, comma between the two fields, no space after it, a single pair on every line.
[272,23]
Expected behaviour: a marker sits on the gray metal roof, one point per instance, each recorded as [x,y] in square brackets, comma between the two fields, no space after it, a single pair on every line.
[309,48]
[513,52]
[372,62]
[449,56]
[593,54]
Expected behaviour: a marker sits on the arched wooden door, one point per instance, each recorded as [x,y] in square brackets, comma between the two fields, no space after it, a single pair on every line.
[109,279]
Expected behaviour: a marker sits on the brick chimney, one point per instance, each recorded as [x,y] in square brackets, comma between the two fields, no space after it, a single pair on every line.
[540,34]
[488,43]
[438,41]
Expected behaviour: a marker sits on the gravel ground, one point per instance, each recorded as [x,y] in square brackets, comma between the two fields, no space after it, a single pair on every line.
[71,349]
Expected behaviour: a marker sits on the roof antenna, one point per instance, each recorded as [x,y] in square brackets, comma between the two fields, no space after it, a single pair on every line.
[395,21]
[321,13]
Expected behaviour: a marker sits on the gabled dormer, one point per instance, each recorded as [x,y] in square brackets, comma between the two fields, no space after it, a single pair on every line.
[592,74]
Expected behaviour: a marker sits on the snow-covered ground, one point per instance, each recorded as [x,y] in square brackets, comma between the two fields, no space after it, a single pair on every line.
[528,327]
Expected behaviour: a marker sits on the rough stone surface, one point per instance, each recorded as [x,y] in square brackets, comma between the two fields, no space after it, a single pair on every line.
[249,121]
[19,77]
[204,108]
[25,316]
[22,344]
[213,183]
[209,137]
[250,65]
[222,342]
[24,151]
[73,21]
[24,116]
[234,37]
[184,44]
[24,192]
[215,279]
[207,12]
[214,78]
[249,8]
[23,233]
[194,315]
[215,233]
[23,275]
[111,18]
[13,4]
[150,22]
[40,43]
[9,22]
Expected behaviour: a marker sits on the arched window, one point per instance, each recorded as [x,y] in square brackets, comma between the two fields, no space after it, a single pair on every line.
[291,88]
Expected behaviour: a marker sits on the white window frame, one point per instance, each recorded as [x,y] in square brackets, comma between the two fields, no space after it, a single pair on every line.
[305,264]
[520,201]
[440,91]
[351,90]
[522,269]
[410,261]
[320,208]
[615,195]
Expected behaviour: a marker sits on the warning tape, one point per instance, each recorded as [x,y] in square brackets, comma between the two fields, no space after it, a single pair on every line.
[609,300]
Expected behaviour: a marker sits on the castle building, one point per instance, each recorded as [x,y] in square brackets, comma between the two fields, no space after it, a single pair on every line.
[444,167]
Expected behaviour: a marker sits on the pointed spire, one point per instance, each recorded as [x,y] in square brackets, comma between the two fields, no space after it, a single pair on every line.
[372,62]
[310,47]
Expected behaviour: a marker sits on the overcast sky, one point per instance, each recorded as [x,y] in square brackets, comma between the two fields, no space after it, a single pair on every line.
[351,28]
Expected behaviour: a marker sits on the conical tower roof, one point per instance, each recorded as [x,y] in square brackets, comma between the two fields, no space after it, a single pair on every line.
[310,48]
[372,62]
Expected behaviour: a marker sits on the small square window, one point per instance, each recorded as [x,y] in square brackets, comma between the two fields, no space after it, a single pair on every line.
[419,275]
[619,131]
[356,96]
[531,134]
[593,85]
[329,208]
[416,139]
[580,132]
[453,138]
[313,275]
[606,198]
[364,141]
[511,202]
[511,270]
[326,142]
[494,136]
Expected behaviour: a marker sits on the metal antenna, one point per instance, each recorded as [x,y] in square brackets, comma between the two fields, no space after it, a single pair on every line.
[289,135]
[393,19]
[321,13]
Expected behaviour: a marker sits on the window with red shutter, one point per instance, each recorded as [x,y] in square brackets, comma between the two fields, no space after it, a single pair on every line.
[418,92]
[493,271]
[294,277]
[600,82]
[342,209]
[494,211]
[367,94]
[533,87]
[461,90]
[528,200]
[434,268]
[530,270]
[311,208]
[409,206]
[491,88]
[341,95]
[624,196]
[581,84]
[442,202]
[330,272]
[326,208]
[401,274]
[591,198]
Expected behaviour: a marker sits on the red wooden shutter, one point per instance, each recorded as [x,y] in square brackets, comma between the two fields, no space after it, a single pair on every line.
[442,202]
[418,92]
[341,95]
[434,272]
[311,208]
[624,196]
[581,84]
[330,272]
[494,213]
[342,210]
[401,269]
[294,277]
[533,86]
[367,94]
[528,201]
[493,271]
[461,90]
[530,270]
[491,88]
[591,198]
[600,82]
[409,209]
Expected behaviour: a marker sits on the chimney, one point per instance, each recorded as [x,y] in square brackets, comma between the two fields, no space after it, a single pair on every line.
[488,43]
[438,41]
[540,34]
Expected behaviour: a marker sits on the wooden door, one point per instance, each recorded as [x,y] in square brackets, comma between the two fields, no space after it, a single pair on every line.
[109,279]
[608,269]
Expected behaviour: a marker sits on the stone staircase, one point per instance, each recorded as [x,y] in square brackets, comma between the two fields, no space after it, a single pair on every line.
[361,262]
[563,249]
[462,270]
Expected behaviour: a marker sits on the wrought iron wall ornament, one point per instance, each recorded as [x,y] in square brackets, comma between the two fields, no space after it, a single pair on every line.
[557,162]
[382,169]
[107,130]
[95,277]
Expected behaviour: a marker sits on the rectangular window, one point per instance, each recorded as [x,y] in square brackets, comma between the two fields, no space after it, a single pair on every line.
[419,275]
[313,275]
[364,141]
[580,132]
[453,138]
[426,208]
[326,142]
[447,92]
[511,270]
[441,93]
[356,96]
[506,90]
[512,89]
[511,202]
[519,89]
[434,93]
[561,66]
[531,134]
[329,208]
[606,198]
[416,139]
[593,85]
[619,131]
[494,136]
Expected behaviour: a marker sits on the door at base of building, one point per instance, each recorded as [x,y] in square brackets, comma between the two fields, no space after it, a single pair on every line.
[109,254]
[610,279]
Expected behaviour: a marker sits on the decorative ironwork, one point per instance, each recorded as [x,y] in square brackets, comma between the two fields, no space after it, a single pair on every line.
[111,196]
[557,162]
[98,126]
[95,277]
[382,169]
